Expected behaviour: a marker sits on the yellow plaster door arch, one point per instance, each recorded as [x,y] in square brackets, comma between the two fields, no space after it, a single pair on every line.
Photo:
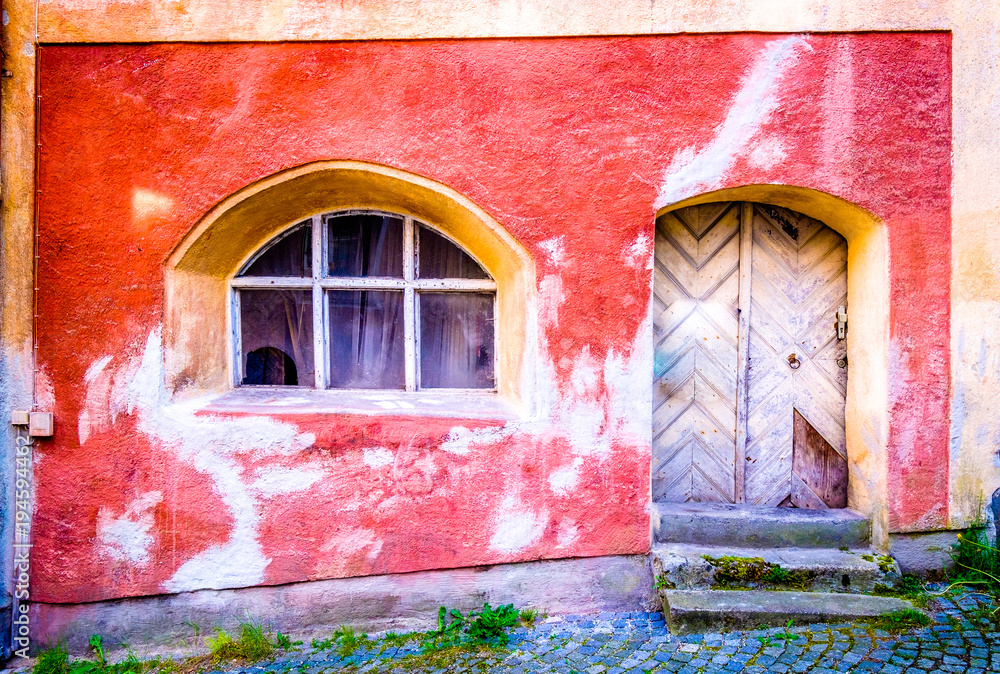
[750,359]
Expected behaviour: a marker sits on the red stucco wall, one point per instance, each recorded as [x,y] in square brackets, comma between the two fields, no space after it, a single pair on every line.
[555,138]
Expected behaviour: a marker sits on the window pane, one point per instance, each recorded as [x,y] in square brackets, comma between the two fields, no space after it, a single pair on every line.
[365,245]
[456,340]
[440,258]
[366,339]
[276,332]
[289,256]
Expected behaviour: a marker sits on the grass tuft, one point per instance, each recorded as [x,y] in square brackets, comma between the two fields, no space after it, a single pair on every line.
[56,661]
[899,621]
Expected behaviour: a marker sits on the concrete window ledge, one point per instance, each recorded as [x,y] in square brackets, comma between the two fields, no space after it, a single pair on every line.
[282,400]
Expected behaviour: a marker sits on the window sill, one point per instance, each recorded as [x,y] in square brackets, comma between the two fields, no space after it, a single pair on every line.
[279,400]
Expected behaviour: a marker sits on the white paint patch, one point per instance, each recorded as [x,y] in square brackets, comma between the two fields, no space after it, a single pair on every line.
[640,254]
[555,248]
[93,418]
[96,368]
[461,439]
[128,538]
[550,298]
[210,444]
[272,481]
[588,415]
[149,205]
[584,375]
[562,480]
[568,533]
[693,171]
[767,154]
[376,457]
[345,545]
[517,527]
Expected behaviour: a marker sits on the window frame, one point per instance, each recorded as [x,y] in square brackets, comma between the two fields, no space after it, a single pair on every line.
[320,283]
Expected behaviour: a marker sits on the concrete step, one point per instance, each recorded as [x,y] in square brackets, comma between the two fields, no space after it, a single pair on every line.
[724,524]
[696,611]
[702,567]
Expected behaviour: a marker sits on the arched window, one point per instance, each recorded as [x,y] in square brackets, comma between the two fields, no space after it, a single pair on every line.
[364,300]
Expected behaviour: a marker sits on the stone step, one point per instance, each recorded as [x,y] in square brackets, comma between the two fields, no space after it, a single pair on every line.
[697,611]
[701,567]
[726,524]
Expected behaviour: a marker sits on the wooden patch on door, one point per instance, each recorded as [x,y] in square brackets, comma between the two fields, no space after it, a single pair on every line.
[819,472]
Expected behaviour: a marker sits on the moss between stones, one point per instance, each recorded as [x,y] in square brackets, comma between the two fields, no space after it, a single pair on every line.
[886,564]
[741,573]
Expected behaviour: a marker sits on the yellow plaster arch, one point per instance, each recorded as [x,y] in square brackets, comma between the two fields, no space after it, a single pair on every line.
[198,335]
[867,417]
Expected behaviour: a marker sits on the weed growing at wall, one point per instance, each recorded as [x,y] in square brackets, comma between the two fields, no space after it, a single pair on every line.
[977,563]
[252,645]
[56,661]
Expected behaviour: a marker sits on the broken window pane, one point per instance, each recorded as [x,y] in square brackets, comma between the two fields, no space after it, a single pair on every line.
[365,245]
[366,339]
[456,340]
[275,324]
[291,255]
[270,366]
[440,258]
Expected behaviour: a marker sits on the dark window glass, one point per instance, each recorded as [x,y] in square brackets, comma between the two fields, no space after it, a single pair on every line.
[277,337]
[366,339]
[365,245]
[456,340]
[291,255]
[440,258]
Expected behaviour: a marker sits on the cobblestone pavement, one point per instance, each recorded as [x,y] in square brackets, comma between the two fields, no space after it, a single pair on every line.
[959,639]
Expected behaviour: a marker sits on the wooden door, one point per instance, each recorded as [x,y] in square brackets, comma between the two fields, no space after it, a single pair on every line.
[750,377]
[695,294]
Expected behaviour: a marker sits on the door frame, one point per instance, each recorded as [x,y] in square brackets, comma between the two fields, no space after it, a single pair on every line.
[867,410]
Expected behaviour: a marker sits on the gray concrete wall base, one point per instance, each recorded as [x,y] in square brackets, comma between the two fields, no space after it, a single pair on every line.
[925,554]
[177,623]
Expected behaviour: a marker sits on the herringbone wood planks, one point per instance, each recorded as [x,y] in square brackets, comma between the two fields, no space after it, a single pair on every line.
[696,290]
[799,278]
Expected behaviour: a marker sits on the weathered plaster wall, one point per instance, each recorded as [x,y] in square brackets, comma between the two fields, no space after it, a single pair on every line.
[975,440]
[17,161]
[571,145]
[974,24]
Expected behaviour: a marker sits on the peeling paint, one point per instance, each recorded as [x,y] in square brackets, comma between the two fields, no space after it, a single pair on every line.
[129,536]
[692,170]
[516,528]
[564,475]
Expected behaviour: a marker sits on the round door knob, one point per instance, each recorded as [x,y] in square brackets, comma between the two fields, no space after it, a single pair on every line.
[794,362]
[842,363]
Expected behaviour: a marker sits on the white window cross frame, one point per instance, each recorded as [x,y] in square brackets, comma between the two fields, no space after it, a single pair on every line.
[320,283]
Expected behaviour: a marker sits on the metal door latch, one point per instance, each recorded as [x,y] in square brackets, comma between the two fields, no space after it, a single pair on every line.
[841,322]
